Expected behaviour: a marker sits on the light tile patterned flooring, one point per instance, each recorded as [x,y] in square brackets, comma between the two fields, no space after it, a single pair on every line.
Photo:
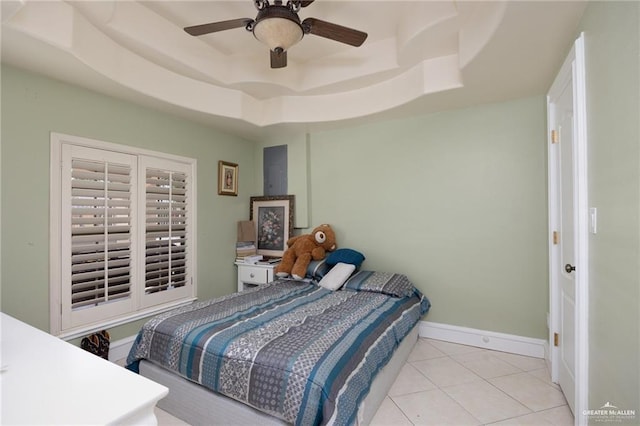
[448,384]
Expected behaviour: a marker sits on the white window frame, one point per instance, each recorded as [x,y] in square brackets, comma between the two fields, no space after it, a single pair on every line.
[139,305]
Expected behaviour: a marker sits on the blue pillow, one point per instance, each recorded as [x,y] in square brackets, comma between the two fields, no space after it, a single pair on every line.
[317,269]
[345,255]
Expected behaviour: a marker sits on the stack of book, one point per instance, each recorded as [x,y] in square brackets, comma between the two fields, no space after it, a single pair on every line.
[246,241]
[256,258]
[245,249]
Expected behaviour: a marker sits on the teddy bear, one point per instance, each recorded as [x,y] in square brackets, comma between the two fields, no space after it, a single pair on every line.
[304,248]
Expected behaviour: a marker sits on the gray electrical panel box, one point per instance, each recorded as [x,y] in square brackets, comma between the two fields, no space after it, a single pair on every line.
[275,170]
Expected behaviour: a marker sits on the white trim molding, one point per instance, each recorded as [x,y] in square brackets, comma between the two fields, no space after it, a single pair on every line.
[572,72]
[119,349]
[510,343]
[68,317]
[582,234]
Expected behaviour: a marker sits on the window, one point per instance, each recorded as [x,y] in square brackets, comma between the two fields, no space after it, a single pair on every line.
[122,234]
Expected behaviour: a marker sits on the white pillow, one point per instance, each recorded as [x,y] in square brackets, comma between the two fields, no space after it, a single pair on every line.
[336,277]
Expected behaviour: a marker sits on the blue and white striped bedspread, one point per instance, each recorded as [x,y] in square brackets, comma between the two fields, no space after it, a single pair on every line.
[294,350]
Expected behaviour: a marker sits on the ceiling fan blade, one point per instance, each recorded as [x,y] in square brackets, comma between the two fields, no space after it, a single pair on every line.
[278,58]
[334,31]
[213,27]
[305,3]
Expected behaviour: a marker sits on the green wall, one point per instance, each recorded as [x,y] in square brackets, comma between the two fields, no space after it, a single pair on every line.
[612,39]
[34,106]
[456,200]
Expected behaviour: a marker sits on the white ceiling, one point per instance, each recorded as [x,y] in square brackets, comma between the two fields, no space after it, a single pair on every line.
[420,56]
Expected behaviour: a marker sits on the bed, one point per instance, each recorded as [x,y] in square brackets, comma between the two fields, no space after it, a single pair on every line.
[289,352]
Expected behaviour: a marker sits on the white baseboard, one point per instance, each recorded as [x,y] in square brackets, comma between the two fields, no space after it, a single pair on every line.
[119,349]
[484,339]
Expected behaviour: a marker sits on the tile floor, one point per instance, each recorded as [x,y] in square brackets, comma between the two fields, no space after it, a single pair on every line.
[448,384]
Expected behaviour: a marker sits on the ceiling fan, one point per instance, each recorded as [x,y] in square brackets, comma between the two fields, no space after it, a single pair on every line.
[279,27]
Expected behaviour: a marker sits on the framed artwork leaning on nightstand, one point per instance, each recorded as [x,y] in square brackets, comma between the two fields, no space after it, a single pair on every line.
[273,218]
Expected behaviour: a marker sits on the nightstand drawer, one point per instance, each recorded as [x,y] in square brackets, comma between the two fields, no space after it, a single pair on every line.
[253,275]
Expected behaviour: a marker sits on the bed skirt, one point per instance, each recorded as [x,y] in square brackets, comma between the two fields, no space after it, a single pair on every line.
[197,405]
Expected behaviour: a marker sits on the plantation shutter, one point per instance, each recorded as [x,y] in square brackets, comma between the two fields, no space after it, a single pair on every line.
[123,235]
[98,196]
[165,236]
[166,233]
[100,232]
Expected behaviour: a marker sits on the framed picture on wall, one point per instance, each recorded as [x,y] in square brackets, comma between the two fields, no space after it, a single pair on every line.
[273,218]
[227,178]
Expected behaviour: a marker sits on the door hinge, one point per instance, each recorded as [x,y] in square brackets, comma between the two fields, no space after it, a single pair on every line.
[554,136]
[556,237]
[556,339]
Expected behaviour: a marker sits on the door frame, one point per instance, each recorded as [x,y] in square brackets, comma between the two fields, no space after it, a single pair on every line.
[574,69]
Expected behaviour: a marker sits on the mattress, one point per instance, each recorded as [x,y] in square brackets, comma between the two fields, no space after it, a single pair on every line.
[199,406]
[292,350]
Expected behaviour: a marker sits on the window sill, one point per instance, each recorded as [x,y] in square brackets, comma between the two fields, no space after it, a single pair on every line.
[92,328]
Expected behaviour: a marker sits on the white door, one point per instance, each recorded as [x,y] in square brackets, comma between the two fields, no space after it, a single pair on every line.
[565,239]
[568,222]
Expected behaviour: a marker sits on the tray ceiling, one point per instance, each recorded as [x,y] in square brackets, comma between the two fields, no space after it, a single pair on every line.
[419,56]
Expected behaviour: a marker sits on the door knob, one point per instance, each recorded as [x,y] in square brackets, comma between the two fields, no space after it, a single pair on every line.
[569,268]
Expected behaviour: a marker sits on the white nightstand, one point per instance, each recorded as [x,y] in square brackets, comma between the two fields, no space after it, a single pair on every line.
[250,275]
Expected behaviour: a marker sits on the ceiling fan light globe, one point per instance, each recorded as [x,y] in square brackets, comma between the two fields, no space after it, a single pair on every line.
[278,32]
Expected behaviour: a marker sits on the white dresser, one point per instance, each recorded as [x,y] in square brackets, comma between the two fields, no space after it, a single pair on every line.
[47,381]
